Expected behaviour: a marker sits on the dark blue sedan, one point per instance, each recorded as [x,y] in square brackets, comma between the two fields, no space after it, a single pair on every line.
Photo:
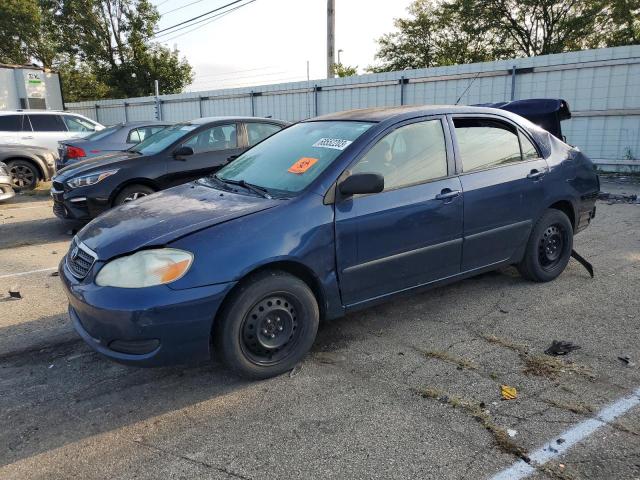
[330,215]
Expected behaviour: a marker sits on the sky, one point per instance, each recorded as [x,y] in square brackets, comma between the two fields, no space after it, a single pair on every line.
[270,41]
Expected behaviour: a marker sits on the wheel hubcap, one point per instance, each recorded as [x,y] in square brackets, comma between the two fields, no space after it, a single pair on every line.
[551,246]
[21,176]
[270,329]
[134,196]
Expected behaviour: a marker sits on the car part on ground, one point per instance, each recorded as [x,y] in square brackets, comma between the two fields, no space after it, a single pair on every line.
[28,165]
[328,216]
[174,155]
[115,138]
[6,183]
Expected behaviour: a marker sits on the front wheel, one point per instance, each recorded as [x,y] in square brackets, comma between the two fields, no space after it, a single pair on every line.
[131,193]
[267,326]
[549,247]
[24,175]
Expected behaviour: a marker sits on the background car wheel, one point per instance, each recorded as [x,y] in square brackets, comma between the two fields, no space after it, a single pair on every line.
[24,175]
[131,193]
[268,325]
[549,247]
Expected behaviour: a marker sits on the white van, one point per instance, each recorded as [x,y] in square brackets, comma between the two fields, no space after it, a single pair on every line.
[43,128]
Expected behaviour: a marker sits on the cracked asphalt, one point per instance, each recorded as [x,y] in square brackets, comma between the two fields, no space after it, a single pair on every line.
[356,408]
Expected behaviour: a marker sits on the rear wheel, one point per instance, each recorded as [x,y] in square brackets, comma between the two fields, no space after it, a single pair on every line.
[549,247]
[24,175]
[268,325]
[131,193]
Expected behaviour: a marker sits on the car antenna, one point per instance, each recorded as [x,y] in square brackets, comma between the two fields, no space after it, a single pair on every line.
[468,87]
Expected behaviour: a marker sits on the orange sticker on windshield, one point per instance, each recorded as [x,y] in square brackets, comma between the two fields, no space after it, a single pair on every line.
[302,165]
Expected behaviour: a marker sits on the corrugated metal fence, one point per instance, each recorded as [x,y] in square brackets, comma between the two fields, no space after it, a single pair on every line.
[601,86]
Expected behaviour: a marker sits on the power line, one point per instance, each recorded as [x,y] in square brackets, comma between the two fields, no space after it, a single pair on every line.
[181,7]
[198,16]
[207,20]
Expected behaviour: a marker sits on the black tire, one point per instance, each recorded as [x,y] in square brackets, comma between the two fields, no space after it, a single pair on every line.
[131,193]
[24,175]
[267,326]
[549,247]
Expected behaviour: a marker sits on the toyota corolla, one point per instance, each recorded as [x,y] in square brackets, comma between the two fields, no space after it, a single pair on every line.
[330,215]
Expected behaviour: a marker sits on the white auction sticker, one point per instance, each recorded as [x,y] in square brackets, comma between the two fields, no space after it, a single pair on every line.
[335,143]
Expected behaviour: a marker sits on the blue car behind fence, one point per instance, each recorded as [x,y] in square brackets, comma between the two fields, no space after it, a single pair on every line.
[330,215]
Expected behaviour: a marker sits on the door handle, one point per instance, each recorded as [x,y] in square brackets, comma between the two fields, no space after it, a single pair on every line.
[536,174]
[447,194]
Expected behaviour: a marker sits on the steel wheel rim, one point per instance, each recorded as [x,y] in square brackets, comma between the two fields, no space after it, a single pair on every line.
[271,330]
[134,196]
[551,246]
[21,176]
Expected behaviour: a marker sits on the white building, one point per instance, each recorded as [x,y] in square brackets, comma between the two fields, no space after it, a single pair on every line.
[29,87]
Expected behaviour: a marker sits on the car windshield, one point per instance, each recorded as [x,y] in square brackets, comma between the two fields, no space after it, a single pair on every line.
[105,132]
[161,140]
[290,160]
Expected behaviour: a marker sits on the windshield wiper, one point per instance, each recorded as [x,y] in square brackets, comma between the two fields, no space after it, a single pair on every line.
[254,188]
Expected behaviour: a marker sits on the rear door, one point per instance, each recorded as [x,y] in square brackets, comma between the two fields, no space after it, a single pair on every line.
[213,148]
[411,233]
[48,129]
[10,128]
[502,180]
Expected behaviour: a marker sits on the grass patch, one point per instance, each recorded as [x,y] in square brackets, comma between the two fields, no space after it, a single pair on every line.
[445,357]
[546,366]
[575,407]
[504,342]
[500,436]
[539,365]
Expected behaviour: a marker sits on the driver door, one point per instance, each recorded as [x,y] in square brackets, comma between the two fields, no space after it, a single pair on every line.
[212,148]
[410,234]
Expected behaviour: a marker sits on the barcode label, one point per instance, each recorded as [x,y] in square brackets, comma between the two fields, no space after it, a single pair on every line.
[335,143]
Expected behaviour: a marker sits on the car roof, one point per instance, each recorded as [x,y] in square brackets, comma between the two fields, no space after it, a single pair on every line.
[205,120]
[382,114]
[39,112]
[138,123]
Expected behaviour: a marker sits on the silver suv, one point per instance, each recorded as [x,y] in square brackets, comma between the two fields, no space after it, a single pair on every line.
[43,128]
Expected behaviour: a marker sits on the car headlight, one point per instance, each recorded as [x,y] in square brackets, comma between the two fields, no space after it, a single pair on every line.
[86,180]
[145,268]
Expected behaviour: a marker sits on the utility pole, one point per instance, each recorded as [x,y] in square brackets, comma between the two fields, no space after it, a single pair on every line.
[331,37]
[157,100]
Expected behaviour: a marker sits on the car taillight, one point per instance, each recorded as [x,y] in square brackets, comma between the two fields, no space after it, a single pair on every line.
[75,152]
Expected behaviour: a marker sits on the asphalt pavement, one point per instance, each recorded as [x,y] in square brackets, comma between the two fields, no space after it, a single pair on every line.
[410,389]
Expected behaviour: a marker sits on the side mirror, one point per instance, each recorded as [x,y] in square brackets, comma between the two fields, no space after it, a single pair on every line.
[183,151]
[361,183]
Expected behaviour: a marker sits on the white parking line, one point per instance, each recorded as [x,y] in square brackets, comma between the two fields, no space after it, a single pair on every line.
[20,274]
[582,430]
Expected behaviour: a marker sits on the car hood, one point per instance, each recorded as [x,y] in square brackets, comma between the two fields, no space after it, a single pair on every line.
[166,216]
[95,164]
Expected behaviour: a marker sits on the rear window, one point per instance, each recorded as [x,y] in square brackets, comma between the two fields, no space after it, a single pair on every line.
[10,123]
[104,133]
[47,123]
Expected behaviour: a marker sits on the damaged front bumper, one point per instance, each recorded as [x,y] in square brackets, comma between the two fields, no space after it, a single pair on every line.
[152,326]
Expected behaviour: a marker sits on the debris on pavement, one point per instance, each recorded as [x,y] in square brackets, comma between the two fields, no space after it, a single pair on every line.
[560,347]
[612,198]
[626,359]
[560,441]
[581,260]
[14,292]
[512,433]
[55,273]
[508,393]
[295,370]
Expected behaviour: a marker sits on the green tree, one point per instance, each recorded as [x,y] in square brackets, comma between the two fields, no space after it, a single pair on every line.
[463,31]
[342,70]
[102,48]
